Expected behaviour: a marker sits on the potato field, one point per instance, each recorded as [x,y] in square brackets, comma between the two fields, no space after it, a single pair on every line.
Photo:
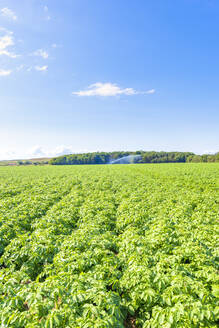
[109,246]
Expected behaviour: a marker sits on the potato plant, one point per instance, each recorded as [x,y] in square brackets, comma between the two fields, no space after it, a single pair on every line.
[109,246]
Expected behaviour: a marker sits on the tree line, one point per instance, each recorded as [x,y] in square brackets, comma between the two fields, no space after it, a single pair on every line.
[145,157]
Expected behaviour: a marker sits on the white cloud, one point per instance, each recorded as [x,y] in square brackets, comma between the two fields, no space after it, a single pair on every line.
[5,72]
[46,9]
[8,13]
[41,53]
[41,68]
[150,92]
[109,90]
[35,152]
[39,151]
[5,30]
[5,42]
[61,150]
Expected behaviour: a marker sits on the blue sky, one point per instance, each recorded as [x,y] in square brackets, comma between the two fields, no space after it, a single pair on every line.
[82,75]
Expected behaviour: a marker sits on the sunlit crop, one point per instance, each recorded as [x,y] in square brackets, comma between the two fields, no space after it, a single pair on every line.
[109,246]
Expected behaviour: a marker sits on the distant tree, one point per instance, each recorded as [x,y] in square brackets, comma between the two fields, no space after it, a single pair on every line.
[196,159]
[204,158]
[146,157]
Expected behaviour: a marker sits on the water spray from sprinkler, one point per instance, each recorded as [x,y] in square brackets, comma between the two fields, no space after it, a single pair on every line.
[130,159]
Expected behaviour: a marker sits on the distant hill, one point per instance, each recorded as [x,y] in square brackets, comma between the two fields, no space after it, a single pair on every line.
[32,161]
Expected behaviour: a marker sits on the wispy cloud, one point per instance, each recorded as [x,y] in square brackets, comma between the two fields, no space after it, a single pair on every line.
[41,53]
[5,42]
[109,90]
[46,11]
[5,30]
[35,152]
[8,13]
[20,67]
[39,151]
[5,72]
[41,68]
[55,45]
[150,92]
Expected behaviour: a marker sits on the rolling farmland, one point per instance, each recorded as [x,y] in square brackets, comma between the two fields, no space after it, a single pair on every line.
[109,246]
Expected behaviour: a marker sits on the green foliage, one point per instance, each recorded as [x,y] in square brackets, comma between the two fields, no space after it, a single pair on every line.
[145,157]
[93,246]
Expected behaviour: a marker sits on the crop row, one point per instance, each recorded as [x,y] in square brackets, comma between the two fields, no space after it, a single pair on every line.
[110,246]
